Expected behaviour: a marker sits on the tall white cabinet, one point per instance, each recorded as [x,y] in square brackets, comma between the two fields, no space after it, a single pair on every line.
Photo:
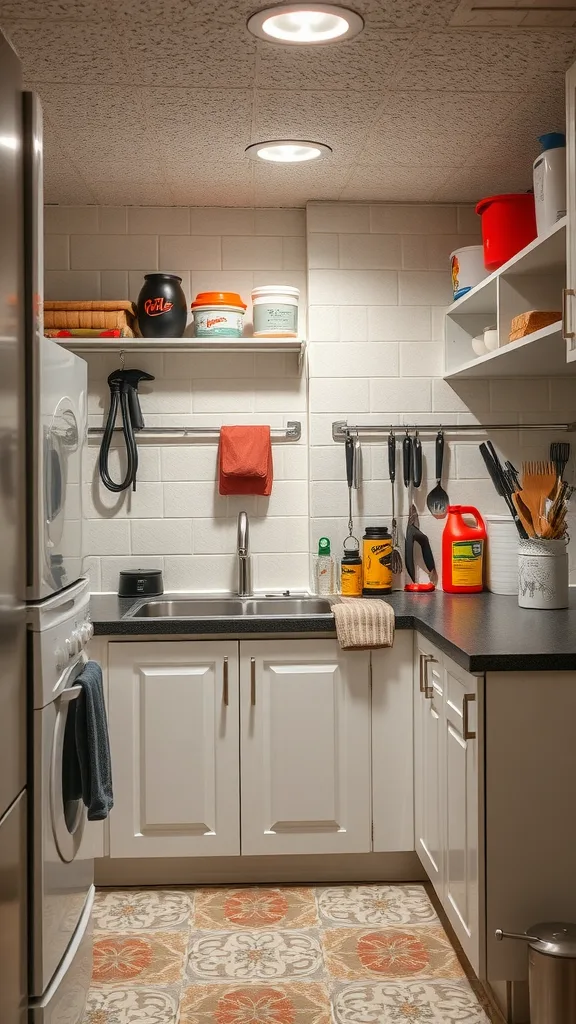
[305,748]
[173,722]
[446,792]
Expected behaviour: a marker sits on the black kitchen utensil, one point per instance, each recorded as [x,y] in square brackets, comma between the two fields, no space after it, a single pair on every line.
[349,449]
[123,386]
[412,473]
[437,500]
[414,535]
[501,483]
[559,455]
[396,558]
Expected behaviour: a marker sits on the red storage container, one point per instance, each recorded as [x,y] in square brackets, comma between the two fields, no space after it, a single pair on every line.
[463,551]
[508,224]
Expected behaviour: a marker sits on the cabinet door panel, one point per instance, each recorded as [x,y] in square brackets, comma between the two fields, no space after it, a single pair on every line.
[393,746]
[461,800]
[175,749]
[305,723]
[428,763]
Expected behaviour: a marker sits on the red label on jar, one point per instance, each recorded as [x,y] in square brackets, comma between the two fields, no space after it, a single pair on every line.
[216,320]
[155,307]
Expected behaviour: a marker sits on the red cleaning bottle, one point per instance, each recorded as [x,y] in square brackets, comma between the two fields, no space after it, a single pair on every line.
[463,551]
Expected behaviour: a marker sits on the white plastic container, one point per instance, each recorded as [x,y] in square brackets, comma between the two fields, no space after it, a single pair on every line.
[549,173]
[542,573]
[501,555]
[467,265]
[275,311]
[491,338]
[218,315]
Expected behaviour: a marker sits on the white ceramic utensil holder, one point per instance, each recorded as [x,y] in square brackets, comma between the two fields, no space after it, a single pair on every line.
[542,573]
[502,555]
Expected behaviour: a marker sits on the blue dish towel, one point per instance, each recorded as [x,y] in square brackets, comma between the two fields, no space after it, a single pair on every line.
[92,744]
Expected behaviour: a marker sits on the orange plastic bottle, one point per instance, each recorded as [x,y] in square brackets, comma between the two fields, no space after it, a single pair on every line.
[463,551]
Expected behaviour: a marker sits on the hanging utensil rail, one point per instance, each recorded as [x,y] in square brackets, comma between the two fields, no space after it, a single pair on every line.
[186,435]
[341,429]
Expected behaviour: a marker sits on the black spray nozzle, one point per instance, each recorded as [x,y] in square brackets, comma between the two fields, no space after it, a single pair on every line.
[121,380]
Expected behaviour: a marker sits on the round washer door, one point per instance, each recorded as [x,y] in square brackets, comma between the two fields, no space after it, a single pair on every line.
[67,809]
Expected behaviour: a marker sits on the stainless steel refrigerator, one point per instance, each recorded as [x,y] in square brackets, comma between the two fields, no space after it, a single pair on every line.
[13,966]
[46,877]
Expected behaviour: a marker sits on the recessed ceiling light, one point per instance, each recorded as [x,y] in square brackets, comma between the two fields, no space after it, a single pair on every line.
[287,151]
[305,23]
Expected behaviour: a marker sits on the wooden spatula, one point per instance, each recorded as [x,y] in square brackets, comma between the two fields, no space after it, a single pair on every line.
[524,513]
[539,480]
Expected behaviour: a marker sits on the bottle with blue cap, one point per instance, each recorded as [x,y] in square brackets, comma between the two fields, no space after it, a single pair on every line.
[550,181]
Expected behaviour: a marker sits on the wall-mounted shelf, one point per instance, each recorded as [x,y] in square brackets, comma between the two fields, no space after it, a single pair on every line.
[126,345]
[532,279]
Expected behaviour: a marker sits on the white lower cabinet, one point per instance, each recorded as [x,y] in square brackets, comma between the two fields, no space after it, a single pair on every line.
[447,781]
[173,721]
[305,748]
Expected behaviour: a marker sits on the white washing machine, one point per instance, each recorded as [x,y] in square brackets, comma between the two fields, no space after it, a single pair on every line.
[62,889]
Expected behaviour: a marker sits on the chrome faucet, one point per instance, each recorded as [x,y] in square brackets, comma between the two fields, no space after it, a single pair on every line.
[243,551]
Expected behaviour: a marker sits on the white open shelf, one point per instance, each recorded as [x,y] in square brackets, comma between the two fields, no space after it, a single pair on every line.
[126,345]
[532,279]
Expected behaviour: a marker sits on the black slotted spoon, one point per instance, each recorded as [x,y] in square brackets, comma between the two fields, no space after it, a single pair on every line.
[437,500]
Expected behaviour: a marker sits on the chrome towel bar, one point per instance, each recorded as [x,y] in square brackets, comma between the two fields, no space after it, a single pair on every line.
[187,435]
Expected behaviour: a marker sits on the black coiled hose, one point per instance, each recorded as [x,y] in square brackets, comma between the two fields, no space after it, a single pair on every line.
[124,394]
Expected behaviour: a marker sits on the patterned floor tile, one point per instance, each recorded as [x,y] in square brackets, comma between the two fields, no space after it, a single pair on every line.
[133,909]
[254,956]
[144,1005]
[139,957]
[395,952]
[408,1002]
[255,908]
[292,1003]
[376,905]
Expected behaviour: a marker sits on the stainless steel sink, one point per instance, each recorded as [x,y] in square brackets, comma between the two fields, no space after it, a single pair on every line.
[230,607]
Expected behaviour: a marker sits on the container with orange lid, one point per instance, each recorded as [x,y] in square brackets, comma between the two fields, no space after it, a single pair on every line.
[218,315]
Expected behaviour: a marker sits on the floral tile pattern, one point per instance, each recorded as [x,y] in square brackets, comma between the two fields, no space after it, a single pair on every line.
[358,954]
[255,908]
[294,1003]
[390,952]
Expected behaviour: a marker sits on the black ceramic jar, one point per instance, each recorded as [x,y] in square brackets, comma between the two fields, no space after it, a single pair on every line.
[162,308]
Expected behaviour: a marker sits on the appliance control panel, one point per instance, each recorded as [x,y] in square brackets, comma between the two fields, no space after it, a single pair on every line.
[61,631]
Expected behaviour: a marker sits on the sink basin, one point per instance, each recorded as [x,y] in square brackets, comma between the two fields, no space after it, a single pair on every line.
[230,607]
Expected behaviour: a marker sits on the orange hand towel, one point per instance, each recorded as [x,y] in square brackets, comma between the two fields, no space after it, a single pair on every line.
[245,460]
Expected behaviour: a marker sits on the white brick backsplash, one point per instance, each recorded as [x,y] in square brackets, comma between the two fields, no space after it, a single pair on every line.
[323,251]
[144,503]
[160,536]
[424,288]
[414,255]
[63,285]
[224,396]
[190,252]
[246,253]
[148,463]
[114,284]
[241,281]
[106,537]
[354,359]
[162,220]
[398,395]
[277,222]
[166,395]
[398,323]
[339,217]
[222,221]
[562,393]
[278,534]
[279,395]
[288,498]
[329,498]
[416,219]
[200,573]
[112,220]
[469,462]
[294,253]
[353,323]
[114,252]
[526,395]
[421,358]
[471,395]
[185,499]
[370,252]
[56,252]
[328,462]
[323,323]
[70,220]
[468,220]
[354,287]
[339,396]
[198,462]
[218,536]
[282,571]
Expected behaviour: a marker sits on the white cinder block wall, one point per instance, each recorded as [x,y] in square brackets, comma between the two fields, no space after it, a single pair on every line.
[378,285]
[176,519]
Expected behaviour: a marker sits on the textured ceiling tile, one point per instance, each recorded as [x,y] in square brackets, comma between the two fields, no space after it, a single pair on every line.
[62,181]
[367,62]
[418,13]
[504,61]
[339,119]
[50,9]
[397,184]
[432,131]
[273,184]
[205,184]
[215,122]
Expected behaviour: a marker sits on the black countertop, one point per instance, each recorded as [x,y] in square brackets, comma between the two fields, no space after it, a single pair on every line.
[481,632]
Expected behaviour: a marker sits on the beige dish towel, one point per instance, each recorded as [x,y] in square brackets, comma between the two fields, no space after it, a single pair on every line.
[364,623]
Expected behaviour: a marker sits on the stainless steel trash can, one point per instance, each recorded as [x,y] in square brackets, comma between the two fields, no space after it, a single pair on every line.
[551,971]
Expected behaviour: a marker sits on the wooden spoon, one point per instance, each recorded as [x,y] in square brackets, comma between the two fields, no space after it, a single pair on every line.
[524,513]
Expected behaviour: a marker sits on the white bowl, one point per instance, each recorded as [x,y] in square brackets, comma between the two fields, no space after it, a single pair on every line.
[479,346]
[491,338]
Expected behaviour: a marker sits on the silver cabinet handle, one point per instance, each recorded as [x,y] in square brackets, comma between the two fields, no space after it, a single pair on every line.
[468,699]
[225,683]
[565,305]
[427,690]
[253,682]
